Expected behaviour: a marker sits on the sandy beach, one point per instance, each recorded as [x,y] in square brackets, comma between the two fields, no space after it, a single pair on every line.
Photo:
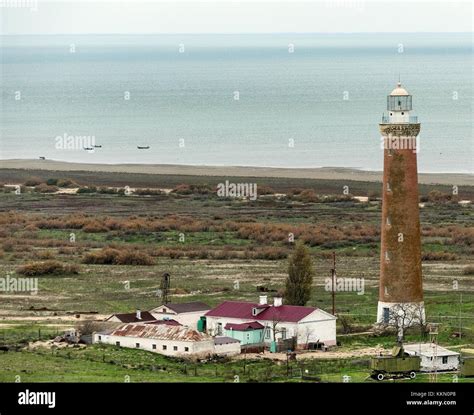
[335,173]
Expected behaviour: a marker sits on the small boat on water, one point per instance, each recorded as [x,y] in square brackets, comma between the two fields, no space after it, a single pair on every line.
[143,147]
[42,158]
[98,146]
[88,148]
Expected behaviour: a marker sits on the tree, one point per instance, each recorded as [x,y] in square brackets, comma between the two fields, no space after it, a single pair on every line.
[300,277]
[405,315]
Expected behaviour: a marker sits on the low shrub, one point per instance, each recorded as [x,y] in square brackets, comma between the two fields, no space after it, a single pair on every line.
[33,181]
[438,256]
[47,268]
[111,256]
[44,188]
[468,270]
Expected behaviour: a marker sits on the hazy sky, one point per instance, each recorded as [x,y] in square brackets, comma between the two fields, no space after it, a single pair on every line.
[232,16]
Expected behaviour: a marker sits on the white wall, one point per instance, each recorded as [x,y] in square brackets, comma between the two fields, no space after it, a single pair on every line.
[204,347]
[427,363]
[229,349]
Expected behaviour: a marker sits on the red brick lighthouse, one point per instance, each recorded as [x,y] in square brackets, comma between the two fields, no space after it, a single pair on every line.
[401,284]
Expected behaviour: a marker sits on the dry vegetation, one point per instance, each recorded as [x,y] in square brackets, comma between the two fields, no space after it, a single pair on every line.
[50,267]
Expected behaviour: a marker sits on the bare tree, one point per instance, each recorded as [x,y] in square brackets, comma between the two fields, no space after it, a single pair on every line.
[404,315]
[308,331]
[88,326]
[274,324]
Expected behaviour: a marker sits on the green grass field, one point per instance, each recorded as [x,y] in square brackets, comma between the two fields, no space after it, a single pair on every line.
[212,275]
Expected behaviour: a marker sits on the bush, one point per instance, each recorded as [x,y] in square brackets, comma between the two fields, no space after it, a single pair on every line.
[438,256]
[110,256]
[44,255]
[66,183]
[47,268]
[468,270]
[91,189]
[94,226]
[44,188]
[33,181]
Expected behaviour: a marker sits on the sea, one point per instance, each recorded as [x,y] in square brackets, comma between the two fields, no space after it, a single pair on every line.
[273,100]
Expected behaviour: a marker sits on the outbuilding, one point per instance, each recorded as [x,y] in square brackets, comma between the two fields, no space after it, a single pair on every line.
[169,340]
[445,359]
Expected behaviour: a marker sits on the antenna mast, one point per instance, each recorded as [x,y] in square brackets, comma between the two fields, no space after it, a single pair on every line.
[164,287]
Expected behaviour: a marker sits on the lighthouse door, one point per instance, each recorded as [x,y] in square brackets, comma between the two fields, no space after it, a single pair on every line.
[386,315]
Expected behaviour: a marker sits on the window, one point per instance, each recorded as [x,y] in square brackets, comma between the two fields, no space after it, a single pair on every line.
[175,348]
[386,315]
[137,345]
[219,329]
[117,343]
[267,333]
[283,333]
[153,346]
[164,310]
[248,336]
[100,337]
[186,349]
[164,347]
[254,311]
[445,360]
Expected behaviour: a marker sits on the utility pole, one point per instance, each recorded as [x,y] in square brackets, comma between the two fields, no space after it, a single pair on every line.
[164,287]
[460,317]
[333,285]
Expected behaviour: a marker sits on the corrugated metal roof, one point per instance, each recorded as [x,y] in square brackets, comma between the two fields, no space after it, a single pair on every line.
[243,310]
[160,332]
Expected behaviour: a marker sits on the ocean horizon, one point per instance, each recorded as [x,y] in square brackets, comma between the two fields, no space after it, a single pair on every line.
[258,100]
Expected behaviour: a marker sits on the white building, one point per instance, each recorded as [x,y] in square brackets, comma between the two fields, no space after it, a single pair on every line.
[187,314]
[445,359]
[160,338]
[309,325]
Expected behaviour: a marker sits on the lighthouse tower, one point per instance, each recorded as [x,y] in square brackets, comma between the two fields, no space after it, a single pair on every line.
[401,284]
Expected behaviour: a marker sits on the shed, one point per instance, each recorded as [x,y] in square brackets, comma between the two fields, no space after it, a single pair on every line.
[445,359]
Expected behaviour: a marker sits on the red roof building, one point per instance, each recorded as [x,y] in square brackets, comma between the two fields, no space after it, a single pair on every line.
[276,321]
[254,311]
